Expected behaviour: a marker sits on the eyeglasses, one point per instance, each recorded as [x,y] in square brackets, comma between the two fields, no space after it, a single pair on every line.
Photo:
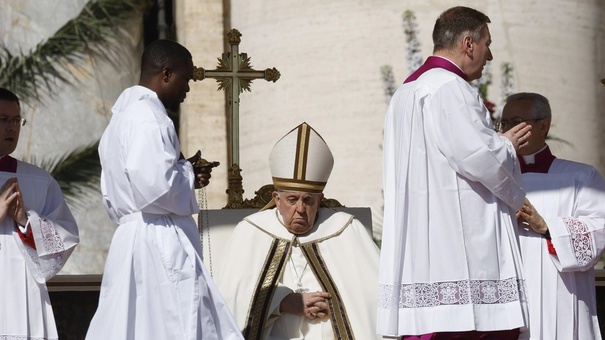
[504,125]
[13,121]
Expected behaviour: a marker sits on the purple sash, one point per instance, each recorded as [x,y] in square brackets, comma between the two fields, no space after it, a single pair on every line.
[435,62]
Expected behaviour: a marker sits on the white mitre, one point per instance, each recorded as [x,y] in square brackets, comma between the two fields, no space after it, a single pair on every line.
[301,161]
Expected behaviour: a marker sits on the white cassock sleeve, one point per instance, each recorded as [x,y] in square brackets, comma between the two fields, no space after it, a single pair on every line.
[471,147]
[158,182]
[579,239]
[53,226]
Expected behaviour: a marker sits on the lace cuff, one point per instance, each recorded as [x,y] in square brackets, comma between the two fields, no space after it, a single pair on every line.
[581,242]
[50,254]
[512,151]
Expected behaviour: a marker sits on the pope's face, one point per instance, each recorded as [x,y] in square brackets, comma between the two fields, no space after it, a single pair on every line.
[298,209]
[10,126]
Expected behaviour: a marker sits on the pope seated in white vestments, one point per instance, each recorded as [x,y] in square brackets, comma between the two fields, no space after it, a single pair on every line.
[563,230]
[298,271]
[155,285]
[37,235]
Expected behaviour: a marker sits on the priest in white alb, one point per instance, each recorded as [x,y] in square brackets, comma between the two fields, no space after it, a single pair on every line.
[37,235]
[562,229]
[295,270]
[450,260]
[155,285]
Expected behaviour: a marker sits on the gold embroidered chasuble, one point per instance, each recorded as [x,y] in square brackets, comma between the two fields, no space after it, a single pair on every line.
[341,259]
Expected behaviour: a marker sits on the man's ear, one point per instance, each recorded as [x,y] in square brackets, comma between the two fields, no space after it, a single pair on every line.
[545,126]
[166,74]
[467,45]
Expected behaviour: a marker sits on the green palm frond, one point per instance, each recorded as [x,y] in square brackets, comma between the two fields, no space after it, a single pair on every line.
[77,172]
[33,75]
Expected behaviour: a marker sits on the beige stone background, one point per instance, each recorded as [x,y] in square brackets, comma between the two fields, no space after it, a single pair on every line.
[329,54]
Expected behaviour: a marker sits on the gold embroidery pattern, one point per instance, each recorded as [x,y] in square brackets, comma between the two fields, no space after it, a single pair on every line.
[265,288]
[338,314]
[300,163]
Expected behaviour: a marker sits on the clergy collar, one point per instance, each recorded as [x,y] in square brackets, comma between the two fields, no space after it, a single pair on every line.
[8,164]
[453,63]
[435,61]
[537,162]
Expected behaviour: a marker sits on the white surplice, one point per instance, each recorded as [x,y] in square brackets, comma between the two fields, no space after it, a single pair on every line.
[560,288]
[262,263]
[450,259]
[25,309]
[155,285]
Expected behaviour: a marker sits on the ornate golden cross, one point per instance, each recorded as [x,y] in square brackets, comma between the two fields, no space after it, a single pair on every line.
[234,75]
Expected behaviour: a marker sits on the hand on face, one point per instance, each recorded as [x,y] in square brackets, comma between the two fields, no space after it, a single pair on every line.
[521,111]
[519,135]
